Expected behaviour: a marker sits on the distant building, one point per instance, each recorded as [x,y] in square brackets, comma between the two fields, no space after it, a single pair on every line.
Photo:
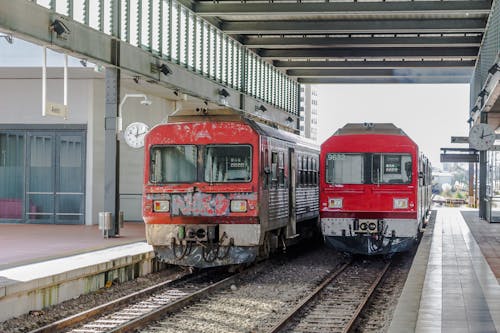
[309,112]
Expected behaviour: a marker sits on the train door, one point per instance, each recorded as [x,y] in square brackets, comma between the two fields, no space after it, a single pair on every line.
[265,184]
[291,230]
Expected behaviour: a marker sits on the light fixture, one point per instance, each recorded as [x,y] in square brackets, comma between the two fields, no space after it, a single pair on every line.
[83,62]
[470,120]
[164,69]
[223,92]
[289,119]
[8,38]
[145,101]
[493,69]
[136,79]
[59,28]
[260,108]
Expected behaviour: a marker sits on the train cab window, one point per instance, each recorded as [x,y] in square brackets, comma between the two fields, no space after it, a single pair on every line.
[172,164]
[228,163]
[344,168]
[391,168]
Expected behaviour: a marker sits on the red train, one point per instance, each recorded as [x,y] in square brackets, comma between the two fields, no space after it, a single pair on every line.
[375,189]
[221,191]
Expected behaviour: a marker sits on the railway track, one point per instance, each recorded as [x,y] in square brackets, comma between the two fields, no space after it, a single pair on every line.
[337,302]
[132,311]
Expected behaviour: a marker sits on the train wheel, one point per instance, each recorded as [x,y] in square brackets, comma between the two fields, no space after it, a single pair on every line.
[265,249]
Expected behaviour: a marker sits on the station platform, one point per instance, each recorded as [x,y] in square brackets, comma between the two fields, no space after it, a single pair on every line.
[43,265]
[453,284]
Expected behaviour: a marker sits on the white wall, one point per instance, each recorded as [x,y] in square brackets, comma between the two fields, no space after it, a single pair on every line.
[132,160]
[21,101]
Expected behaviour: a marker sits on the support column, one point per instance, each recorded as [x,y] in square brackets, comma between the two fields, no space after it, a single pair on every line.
[482,175]
[112,150]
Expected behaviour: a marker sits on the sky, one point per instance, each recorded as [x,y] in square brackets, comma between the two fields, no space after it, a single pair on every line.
[429,113]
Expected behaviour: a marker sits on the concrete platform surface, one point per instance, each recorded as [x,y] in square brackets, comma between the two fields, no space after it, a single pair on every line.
[451,287]
[22,244]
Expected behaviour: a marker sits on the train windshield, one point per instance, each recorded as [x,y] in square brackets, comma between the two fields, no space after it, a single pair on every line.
[368,168]
[345,168]
[391,168]
[173,164]
[228,163]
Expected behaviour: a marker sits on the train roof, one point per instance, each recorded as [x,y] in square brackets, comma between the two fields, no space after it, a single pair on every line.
[266,130]
[370,128]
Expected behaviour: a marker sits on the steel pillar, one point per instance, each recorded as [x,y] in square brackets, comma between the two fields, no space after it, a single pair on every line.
[482,175]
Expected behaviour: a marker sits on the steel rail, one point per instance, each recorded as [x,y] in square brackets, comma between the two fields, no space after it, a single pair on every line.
[180,303]
[290,316]
[366,298]
[307,299]
[78,318]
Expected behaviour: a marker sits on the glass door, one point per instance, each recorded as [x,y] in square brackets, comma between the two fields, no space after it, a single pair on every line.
[12,168]
[55,178]
[40,188]
[70,178]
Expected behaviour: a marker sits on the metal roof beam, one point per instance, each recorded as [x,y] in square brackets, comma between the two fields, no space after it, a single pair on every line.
[372,64]
[353,26]
[337,42]
[441,52]
[221,9]
[402,79]
[400,72]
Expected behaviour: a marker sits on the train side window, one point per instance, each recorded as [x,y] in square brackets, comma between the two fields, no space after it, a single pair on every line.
[299,170]
[315,172]
[309,171]
[274,168]
[281,168]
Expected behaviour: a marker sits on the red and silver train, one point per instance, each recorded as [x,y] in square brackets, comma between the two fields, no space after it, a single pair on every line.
[375,189]
[227,191]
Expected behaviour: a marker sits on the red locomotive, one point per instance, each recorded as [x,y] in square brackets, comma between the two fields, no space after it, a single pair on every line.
[227,190]
[375,189]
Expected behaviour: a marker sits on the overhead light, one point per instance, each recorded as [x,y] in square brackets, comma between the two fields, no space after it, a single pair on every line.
[483,93]
[163,68]
[83,62]
[59,28]
[493,69]
[224,93]
[8,38]
[260,108]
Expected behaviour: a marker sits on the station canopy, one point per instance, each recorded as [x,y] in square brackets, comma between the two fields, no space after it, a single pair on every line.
[357,41]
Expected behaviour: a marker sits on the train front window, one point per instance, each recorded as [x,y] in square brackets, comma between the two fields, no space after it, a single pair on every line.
[228,163]
[343,168]
[391,168]
[173,164]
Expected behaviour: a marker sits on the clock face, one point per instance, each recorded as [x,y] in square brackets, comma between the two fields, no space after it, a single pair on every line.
[481,136]
[134,134]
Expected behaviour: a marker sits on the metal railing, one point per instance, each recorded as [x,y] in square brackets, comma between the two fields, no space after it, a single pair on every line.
[170,31]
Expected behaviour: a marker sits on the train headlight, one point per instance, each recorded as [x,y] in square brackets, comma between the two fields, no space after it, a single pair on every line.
[335,203]
[162,206]
[400,203]
[238,206]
